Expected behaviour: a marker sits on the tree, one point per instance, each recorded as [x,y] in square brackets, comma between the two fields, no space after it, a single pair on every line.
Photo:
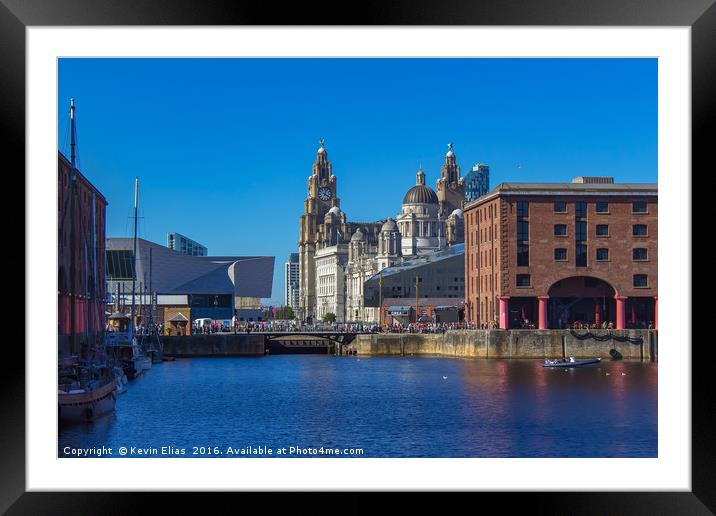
[286,313]
[330,318]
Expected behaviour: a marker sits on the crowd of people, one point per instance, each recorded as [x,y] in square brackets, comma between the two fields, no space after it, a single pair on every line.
[604,325]
[428,327]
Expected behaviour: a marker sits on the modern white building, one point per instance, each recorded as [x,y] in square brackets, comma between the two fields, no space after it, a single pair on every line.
[185,245]
[330,281]
[292,292]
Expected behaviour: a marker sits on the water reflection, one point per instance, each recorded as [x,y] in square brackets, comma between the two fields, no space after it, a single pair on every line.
[390,406]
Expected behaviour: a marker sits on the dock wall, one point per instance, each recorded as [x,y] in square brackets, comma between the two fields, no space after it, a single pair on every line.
[453,343]
[228,345]
[511,344]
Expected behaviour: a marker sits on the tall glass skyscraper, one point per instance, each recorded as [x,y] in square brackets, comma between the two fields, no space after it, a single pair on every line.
[291,292]
[477,182]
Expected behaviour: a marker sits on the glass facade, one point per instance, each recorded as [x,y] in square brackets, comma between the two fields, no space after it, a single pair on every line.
[185,245]
[441,274]
[119,265]
[477,182]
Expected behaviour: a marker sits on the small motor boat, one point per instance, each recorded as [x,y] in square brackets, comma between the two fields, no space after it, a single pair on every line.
[570,362]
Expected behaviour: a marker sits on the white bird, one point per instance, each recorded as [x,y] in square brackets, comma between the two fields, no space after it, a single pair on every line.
[444,377]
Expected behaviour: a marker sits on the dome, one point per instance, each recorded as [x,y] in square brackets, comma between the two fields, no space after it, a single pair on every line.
[450,153]
[389,226]
[335,211]
[457,212]
[358,235]
[420,194]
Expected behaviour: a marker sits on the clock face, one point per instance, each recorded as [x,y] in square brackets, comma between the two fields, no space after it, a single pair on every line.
[325,194]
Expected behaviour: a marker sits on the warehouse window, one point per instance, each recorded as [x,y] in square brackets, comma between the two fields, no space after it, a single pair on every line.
[640,281]
[638,207]
[639,254]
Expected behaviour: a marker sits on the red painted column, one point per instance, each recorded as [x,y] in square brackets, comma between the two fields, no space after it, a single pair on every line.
[597,312]
[621,312]
[656,312]
[504,311]
[543,316]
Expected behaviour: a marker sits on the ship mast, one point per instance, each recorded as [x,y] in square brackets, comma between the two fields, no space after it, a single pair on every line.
[134,257]
[73,135]
[73,236]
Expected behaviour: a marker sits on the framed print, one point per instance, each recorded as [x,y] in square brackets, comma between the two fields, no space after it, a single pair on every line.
[414,249]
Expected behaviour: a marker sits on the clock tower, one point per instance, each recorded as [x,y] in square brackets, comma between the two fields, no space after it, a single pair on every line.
[450,188]
[321,198]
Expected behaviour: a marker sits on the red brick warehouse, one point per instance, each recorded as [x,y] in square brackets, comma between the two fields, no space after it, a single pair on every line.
[549,255]
[81,284]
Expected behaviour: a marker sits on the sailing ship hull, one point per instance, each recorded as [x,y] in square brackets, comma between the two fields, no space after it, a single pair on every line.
[88,405]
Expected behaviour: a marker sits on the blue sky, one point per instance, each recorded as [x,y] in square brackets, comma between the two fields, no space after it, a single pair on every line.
[223,147]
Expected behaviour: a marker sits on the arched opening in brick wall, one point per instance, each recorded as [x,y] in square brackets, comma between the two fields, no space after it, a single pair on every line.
[581,301]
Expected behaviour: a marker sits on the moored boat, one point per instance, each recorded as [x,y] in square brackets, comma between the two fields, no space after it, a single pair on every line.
[570,362]
[85,392]
[86,382]
[124,351]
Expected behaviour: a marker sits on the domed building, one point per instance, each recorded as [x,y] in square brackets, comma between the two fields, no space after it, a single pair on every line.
[337,256]
[420,228]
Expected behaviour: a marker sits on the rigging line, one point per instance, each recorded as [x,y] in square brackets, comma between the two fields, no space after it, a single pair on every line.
[77,145]
[65,140]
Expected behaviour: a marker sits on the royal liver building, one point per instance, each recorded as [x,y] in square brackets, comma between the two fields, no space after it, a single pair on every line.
[337,256]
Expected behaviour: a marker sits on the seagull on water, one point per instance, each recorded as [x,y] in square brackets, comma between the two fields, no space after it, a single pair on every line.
[444,377]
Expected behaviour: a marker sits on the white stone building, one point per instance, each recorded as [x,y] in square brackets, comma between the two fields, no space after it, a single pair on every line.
[364,262]
[361,266]
[420,227]
[330,281]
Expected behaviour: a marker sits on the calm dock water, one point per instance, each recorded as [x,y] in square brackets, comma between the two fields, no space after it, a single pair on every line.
[386,406]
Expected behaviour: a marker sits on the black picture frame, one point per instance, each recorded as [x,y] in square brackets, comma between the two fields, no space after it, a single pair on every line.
[16,15]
